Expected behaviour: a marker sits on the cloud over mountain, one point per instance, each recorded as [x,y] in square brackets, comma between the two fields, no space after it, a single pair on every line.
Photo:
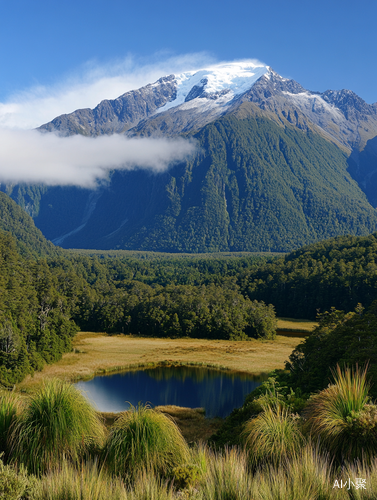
[33,157]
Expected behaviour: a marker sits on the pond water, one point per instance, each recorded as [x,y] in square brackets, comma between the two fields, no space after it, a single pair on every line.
[219,392]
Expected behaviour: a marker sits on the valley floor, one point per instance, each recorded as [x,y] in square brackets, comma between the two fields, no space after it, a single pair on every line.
[96,353]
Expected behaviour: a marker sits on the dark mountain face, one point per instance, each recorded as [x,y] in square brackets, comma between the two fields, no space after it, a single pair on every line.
[278,167]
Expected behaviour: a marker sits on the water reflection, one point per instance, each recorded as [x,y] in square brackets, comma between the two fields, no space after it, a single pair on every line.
[219,392]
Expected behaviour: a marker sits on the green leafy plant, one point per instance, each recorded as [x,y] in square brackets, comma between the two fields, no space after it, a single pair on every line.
[185,476]
[16,484]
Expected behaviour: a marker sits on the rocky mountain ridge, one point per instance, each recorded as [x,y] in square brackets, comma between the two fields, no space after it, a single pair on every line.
[339,115]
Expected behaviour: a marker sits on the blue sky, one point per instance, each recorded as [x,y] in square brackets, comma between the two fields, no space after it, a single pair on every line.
[63,55]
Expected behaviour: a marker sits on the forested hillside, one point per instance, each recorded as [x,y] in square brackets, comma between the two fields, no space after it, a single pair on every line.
[29,240]
[339,272]
[35,313]
[48,293]
[254,185]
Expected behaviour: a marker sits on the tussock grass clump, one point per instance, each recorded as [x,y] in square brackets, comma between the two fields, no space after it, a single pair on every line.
[368,472]
[273,435]
[227,476]
[9,407]
[57,423]
[149,487]
[307,475]
[341,418]
[144,438]
[79,482]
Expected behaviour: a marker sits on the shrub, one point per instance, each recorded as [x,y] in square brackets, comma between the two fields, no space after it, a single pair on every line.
[144,438]
[58,422]
[15,484]
[186,476]
[273,435]
[341,418]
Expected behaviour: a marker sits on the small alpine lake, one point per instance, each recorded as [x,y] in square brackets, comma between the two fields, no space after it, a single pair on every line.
[217,391]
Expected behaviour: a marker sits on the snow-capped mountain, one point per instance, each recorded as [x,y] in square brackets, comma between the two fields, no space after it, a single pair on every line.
[277,166]
[208,91]
[219,84]
[185,102]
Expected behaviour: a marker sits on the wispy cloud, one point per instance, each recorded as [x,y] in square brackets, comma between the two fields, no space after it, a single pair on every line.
[35,106]
[32,157]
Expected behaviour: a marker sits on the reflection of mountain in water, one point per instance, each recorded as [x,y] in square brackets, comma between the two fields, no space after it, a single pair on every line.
[219,392]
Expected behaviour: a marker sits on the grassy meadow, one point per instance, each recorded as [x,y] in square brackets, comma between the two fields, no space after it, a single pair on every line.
[98,353]
[295,327]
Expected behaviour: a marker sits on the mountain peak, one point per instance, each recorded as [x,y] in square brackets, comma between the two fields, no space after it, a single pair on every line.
[224,80]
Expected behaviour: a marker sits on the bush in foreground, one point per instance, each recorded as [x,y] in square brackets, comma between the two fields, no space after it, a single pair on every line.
[341,418]
[144,438]
[57,423]
[273,435]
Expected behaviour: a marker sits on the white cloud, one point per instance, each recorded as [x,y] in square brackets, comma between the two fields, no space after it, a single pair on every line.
[33,107]
[44,158]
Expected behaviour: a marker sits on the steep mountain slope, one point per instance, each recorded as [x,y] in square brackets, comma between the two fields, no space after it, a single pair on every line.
[29,240]
[278,166]
[255,186]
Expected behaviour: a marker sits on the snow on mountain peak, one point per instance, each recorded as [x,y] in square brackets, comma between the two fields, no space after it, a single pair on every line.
[230,79]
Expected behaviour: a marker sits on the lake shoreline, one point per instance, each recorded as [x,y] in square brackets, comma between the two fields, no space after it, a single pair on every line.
[99,354]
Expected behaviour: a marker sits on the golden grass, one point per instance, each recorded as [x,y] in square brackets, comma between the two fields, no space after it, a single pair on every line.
[98,353]
[192,422]
[292,326]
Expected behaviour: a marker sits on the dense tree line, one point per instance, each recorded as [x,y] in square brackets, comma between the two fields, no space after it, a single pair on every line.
[35,315]
[44,301]
[47,293]
[211,311]
[340,273]
[347,339]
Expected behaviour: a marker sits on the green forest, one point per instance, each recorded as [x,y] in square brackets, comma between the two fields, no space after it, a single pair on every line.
[48,294]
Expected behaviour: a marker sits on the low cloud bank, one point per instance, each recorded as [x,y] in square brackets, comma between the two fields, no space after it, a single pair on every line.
[29,156]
